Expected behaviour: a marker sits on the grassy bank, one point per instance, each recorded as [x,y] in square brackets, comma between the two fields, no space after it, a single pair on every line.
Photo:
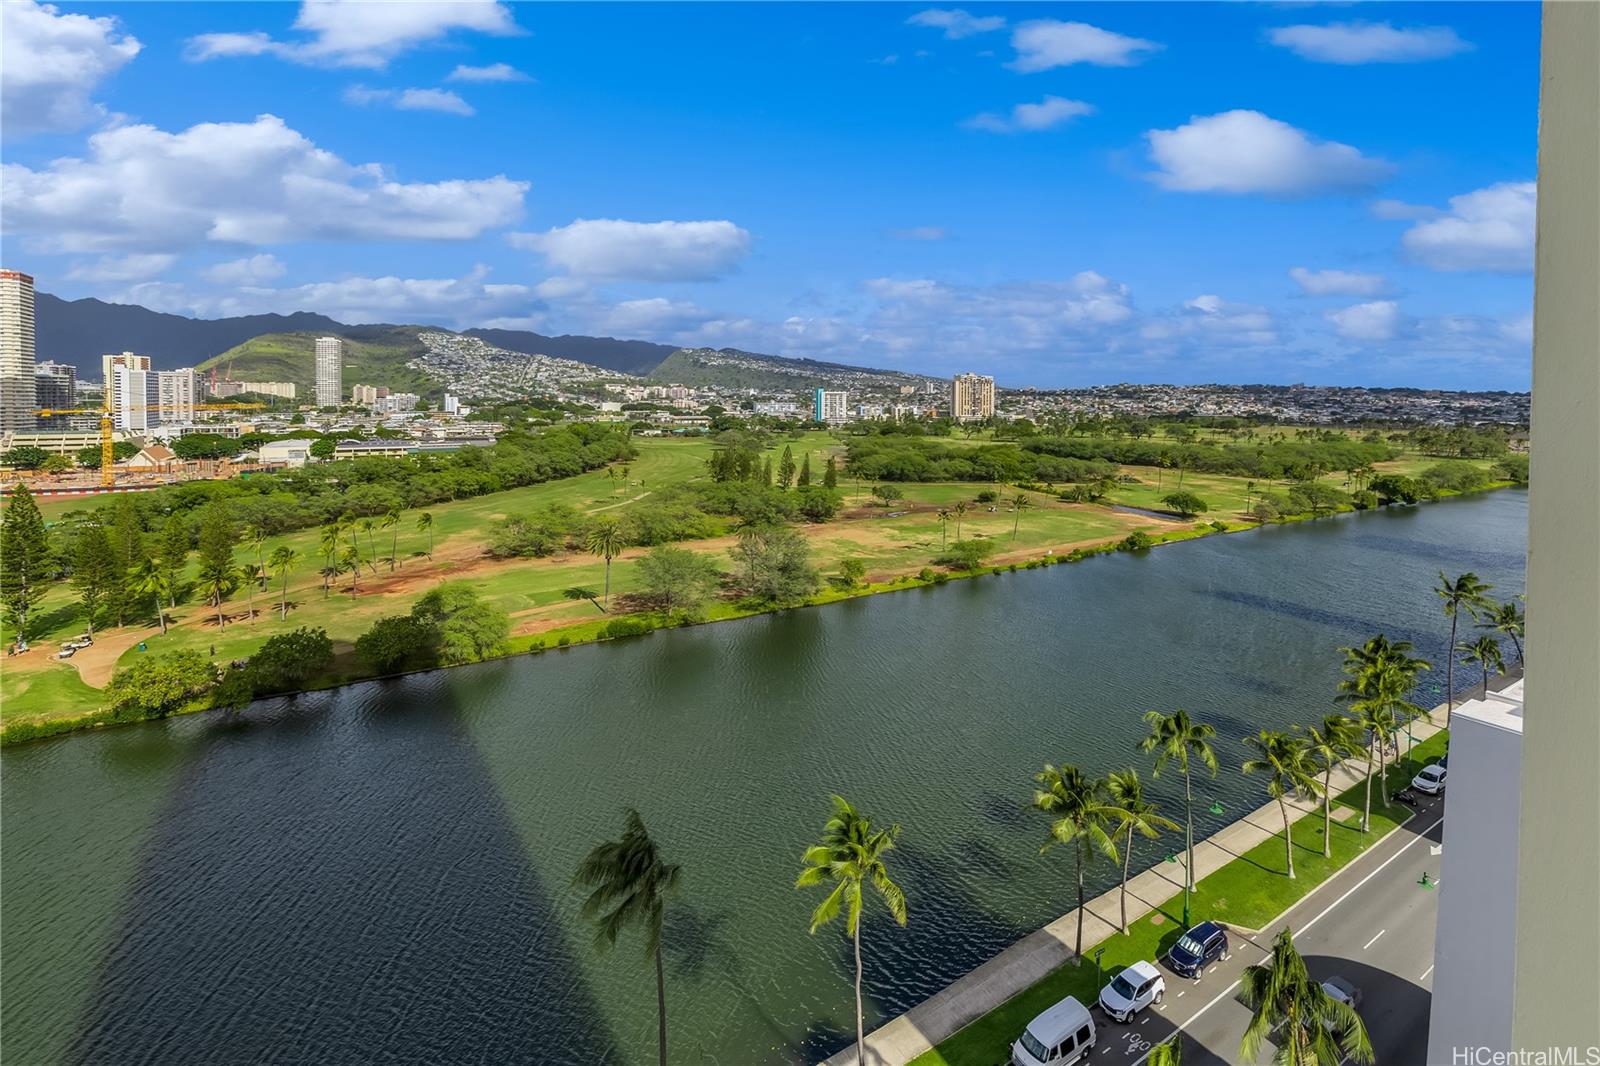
[1250,892]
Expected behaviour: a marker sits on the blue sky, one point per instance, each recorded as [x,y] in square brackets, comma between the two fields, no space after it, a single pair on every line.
[1055,193]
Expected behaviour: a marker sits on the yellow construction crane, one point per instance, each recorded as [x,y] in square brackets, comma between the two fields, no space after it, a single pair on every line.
[107,475]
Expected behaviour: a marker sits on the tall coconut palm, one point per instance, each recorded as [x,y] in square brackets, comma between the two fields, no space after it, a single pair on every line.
[255,538]
[944,524]
[1079,809]
[1137,815]
[283,560]
[329,544]
[1315,1028]
[1507,618]
[1019,503]
[628,884]
[606,540]
[391,522]
[1289,768]
[217,583]
[1485,651]
[352,562]
[1387,667]
[367,526]
[850,857]
[149,578]
[960,511]
[1465,593]
[249,576]
[1330,744]
[1176,738]
[425,525]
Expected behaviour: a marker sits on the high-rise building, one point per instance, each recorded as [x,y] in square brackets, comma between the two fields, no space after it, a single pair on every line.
[367,395]
[55,386]
[18,400]
[971,398]
[134,396]
[175,393]
[330,371]
[830,406]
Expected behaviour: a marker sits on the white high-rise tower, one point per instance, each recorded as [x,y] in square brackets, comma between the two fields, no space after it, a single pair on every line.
[330,371]
[18,398]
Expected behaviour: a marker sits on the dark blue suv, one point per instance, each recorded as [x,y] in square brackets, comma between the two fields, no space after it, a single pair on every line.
[1197,949]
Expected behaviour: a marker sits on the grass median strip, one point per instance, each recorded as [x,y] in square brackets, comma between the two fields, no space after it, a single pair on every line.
[1249,892]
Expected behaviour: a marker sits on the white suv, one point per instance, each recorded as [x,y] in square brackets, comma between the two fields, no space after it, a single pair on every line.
[1430,780]
[1131,991]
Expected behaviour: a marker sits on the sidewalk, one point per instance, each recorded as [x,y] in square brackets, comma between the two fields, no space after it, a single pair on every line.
[1024,963]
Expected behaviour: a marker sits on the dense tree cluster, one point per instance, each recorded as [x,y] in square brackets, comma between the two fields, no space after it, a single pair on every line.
[448,626]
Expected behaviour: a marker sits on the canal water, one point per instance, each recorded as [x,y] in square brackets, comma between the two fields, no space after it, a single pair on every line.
[382,874]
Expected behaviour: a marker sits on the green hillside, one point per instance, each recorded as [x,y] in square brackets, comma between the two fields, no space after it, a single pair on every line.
[732,368]
[372,356]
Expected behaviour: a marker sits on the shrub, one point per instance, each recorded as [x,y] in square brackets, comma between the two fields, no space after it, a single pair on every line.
[160,684]
[1364,500]
[851,571]
[1137,541]
[966,554]
[1220,526]
[626,627]
[1513,468]
[399,642]
[988,496]
[1187,504]
[925,574]
[285,662]
[564,642]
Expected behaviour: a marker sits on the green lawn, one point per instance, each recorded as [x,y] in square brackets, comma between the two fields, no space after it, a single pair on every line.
[1249,892]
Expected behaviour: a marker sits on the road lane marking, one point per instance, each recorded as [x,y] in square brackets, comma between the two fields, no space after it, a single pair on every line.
[1374,940]
[1425,974]
[1182,992]
[1220,996]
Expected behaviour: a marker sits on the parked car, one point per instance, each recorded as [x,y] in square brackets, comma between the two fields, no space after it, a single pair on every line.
[1062,1035]
[1197,949]
[1131,991]
[1430,780]
[66,653]
[1343,991]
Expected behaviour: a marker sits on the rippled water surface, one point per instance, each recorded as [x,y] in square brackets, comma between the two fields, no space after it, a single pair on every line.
[382,874]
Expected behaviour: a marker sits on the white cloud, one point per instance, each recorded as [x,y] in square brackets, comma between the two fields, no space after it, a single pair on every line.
[1368,42]
[409,99]
[1047,113]
[50,63]
[612,248]
[1488,229]
[251,270]
[1378,320]
[955,22]
[1044,44]
[1216,321]
[456,302]
[1337,282]
[239,183]
[492,72]
[134,267]
[356,33]
[1029,314]
[1392,210]
[1248,152]
[920,233]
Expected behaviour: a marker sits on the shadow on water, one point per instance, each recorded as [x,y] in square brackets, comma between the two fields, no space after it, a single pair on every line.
[355,897]
[1348,623]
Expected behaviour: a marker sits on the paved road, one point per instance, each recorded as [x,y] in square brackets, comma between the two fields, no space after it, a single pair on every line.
[1372,924]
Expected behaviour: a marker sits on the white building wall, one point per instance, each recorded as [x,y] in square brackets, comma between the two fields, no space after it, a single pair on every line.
[1475,946]
[330,371]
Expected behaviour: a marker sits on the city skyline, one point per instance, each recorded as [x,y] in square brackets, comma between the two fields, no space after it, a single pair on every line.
[1045,192]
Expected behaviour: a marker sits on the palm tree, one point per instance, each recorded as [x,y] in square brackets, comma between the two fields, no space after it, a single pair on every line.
[1137,815]
[1079,809]
[283,560]
[630,883]
[216,583]
[1176,738]
[1507,618]
[391,522]
[330,554]
[1019,503]
[1485,651]
[1315,1029]
[1167,1053]
[1330,744]
[1381,673]
[1289,768]
[577,593]
[944,523]
[366,525]
[849,857]
[248,577]
[148,577]
[1465,593]
[607,541]
[425,525]
[255,537]
[960,511]
[352,562]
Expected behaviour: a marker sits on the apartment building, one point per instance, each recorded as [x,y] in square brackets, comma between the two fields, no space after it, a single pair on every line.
[971,397]
[18,382]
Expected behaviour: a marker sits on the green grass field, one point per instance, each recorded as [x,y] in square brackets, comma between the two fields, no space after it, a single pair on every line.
[1249,892]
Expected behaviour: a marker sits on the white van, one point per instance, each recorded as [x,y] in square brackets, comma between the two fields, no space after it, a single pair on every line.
[1061,1035]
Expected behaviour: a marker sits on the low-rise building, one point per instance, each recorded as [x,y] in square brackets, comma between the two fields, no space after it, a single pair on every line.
[295,452]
